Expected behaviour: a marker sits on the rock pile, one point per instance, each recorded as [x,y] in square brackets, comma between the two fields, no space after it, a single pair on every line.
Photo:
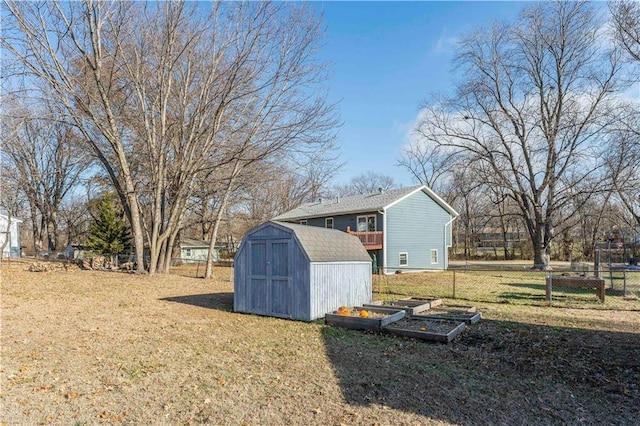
[47,266]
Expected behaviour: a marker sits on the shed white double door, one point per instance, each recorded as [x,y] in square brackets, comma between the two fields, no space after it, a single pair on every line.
[270,278]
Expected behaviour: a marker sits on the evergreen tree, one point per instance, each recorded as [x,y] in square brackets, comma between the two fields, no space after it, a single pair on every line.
[108,232]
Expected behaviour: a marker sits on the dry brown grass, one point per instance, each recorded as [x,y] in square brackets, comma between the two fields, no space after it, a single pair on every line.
[83,347]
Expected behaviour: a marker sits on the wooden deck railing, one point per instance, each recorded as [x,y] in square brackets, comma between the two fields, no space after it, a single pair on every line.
[371,240]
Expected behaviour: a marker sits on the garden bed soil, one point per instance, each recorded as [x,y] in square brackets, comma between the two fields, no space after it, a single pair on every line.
[450,314]
[435,330]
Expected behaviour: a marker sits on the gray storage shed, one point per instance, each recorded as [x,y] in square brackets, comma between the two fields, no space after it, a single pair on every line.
[299,272]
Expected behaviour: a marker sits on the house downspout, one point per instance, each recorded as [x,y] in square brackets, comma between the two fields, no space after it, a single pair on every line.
[383,212]
[446,246]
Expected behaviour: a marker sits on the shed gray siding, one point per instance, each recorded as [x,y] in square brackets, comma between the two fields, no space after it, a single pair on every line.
[299,272]
[415,226]
[339,284]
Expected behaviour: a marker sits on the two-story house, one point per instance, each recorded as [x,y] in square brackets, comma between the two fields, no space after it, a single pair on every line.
[405,229]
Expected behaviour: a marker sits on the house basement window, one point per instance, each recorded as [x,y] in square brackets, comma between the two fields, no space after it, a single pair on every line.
[404,259]
[303,222]
[434,256]
[328,223]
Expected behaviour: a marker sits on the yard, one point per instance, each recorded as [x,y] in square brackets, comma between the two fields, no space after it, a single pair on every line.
[83,347]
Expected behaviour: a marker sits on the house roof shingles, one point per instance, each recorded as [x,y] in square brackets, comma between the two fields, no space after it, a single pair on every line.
[193,243]
[328,245]
[358,204]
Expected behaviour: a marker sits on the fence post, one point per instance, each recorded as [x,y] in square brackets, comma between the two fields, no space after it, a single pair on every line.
[549,285]
[611,276]
[454,284]
[197,269]
[624,283]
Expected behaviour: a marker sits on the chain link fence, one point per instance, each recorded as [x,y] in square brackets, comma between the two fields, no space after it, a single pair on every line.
[614,288]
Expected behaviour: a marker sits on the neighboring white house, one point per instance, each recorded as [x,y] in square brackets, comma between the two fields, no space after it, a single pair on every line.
[10,232]
[193,250]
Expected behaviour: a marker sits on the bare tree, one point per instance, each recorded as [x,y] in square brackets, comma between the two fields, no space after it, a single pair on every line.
[74,220]
[268,187]
[623,164]
[161,92]
[624,159]
[430,164]
[468,197]
[536,96]
[45,155]
[626,21]
[365,183]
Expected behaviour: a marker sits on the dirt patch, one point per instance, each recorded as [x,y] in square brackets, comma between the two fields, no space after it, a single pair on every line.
[105,347]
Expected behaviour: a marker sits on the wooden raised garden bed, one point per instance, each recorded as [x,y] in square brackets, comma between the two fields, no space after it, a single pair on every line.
[466,314]
[411,307]
[432,302]
[377,318]
[436,330]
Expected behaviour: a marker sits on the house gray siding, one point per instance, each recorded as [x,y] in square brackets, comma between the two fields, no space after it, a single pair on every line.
[341,222]
[416,225]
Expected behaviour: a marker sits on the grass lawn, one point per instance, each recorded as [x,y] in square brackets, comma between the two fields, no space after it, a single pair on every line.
[519,287]
[85,347]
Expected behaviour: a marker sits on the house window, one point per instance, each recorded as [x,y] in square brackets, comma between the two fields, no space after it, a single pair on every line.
[404,259]
[303,222]
[367,223]
[187,252]
[328,223]
[434,256]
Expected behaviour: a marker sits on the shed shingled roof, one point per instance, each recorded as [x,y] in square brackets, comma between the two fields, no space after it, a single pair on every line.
[327,245]
[359,204]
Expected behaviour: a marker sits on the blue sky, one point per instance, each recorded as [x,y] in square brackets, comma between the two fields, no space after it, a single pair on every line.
[387,57]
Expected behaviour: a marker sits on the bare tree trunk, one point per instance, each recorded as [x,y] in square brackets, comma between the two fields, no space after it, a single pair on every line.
[541,251]
[223,206]
[7,238]
[212,242]
[52,233]
[133,212]
[171,247]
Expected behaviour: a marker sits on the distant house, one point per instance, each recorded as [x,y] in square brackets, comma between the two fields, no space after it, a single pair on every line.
[74,251]
[10,233]
[402,229]
[194,250]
